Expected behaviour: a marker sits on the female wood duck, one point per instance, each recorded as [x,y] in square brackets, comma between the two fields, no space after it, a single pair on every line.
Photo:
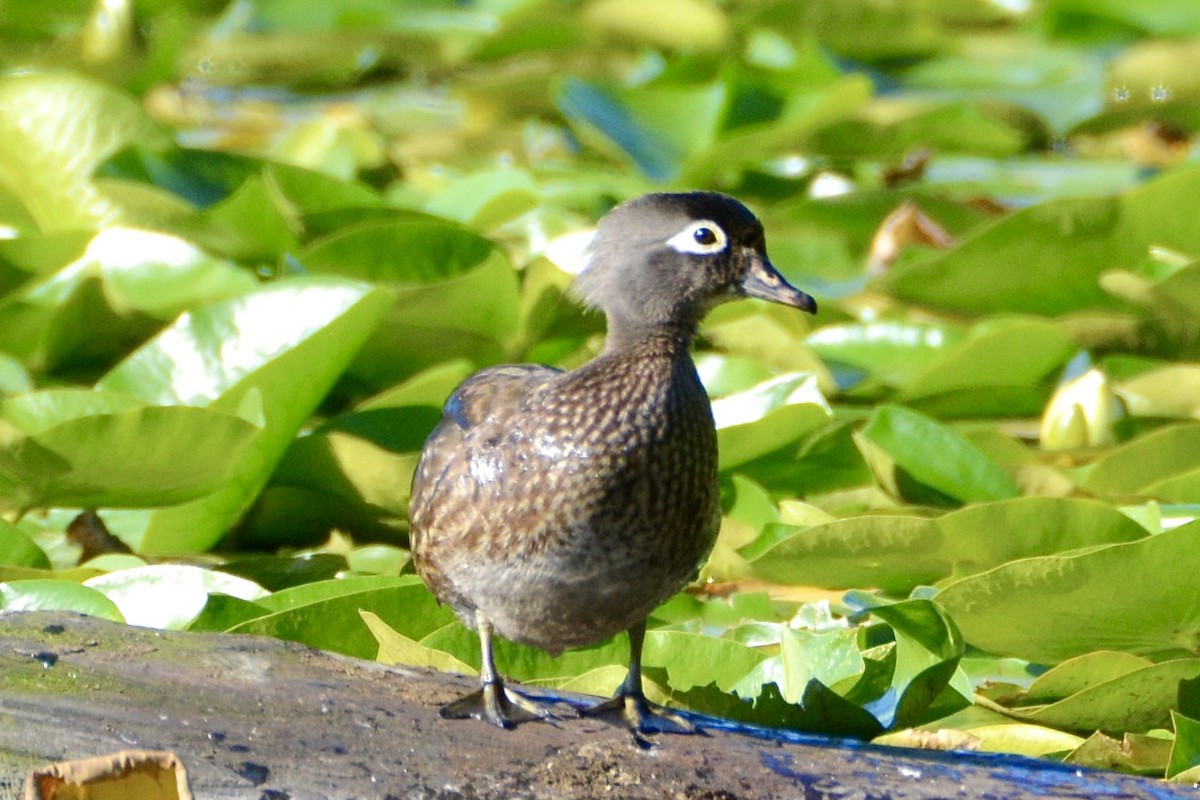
[559,508]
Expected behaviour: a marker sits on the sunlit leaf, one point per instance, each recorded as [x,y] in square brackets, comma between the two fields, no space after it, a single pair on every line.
[899,552]
[455,293]
[1170,391]
[168,596]
[1071,242]
[326,614]
[1144,465]
[55,128]
[766,417]
[18,550]
[1185,753]
[917,458]
[1134,752]
[87,448]
[57,595]
[1138,701]
[277,349]
[396,648]
[1135,597]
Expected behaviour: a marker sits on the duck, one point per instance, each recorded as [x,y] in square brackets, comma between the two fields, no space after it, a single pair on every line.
[559,508]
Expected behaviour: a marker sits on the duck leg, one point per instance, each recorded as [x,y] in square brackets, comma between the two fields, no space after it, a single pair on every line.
[630,706]
[494,702]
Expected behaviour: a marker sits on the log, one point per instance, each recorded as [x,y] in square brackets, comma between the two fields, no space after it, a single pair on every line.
[264,719]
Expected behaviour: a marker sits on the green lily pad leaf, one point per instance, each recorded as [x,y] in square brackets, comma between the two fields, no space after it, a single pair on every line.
[656,127]
[23,261]
[1185,752]
[111,562]
[693,659]
[1050,608]
[1002,737]
[1146,465]
[1023,739]
[428,388]
[525,663]
[289,516]
[830,658]
[222,226]
[378,559]
[603,682]
[722,375]
[274,573]
[1136,701]
[455,293]
[943,127]
[826,461]
[308,593]
[1134,752]
[14,379]
[1079,673]
[770,334]
[1053,81]
[486,199]
[927,683]
[18,550]
[201,177]
[1179,292]
[675,24]
[367,455]
[149,272]
[996,355]
[891,351]
[56,128]
[79,448]
[168,596]
[1170,391]
[802,116]
[355,471]
[222,612]
[767,417]
[56,595]
[326,615]
[314,192]
[115,294]
[396,648]
[898,552]
[34,412]
[273,353]
[914,456]
[1063,246]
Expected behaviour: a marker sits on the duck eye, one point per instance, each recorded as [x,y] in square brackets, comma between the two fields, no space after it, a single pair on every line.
[701,238]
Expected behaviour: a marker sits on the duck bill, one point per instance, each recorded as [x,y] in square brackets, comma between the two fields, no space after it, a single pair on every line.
[763,281]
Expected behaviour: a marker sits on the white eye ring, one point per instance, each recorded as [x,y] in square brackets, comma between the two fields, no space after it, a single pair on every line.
[701,238]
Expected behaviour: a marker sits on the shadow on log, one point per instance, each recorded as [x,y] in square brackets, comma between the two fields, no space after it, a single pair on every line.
[260,718]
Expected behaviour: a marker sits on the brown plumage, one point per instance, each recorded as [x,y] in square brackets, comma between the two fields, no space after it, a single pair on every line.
[559,508]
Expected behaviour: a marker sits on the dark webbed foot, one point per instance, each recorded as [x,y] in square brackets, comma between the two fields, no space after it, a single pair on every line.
[495,702]
[639,714]
[499,705]
[630,708]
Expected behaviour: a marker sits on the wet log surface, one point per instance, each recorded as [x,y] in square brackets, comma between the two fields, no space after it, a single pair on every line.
[263,719]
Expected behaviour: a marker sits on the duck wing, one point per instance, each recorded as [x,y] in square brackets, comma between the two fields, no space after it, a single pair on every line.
[473,455]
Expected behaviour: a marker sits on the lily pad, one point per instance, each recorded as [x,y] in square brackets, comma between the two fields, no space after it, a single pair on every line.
[1135,597]
[917,458]
[270,354]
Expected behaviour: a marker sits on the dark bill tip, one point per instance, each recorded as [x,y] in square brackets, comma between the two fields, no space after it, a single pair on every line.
[763,281]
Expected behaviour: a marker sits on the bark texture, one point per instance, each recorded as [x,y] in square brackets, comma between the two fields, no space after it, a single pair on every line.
[263,719]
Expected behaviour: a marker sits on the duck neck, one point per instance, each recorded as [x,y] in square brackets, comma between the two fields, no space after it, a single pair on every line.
[625,336]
